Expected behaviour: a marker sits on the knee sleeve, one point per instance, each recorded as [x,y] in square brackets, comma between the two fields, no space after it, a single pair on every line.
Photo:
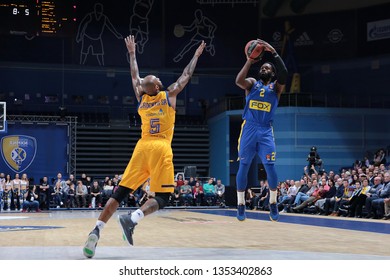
[242,176]
[121,193]
[162,199]
[272,177]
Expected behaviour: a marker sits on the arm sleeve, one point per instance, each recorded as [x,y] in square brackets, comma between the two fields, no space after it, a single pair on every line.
[281,70]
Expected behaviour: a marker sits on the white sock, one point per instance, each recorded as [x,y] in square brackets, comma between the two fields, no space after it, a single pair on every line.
[272,197]
[137,216]
[241,198]
[100,224]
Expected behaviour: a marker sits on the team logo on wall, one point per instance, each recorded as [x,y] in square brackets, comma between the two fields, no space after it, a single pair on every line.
[18,151]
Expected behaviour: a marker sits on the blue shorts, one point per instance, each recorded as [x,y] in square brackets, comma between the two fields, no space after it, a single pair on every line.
[256,139]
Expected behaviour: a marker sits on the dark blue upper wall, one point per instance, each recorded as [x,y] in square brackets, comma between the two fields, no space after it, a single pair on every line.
[166,29]
[337,63]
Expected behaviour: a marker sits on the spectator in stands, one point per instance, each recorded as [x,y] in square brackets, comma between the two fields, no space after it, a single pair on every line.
[366,162]
[31,201]
[71,201]
[331,175]
[44,194]
[180,180]
[7,193]
[301,196]
[302,187]
[108,189]
[186,194]
[174,198]
[310,172]
[192,182]
[330,189]
[371,177]
[24,184]
[372,194]
[250,199]
[131,201]
[63,186]
[220,190]
[15,194]
[198,194]
[72,179]
[347,201]
[57,194]
[317,194]
[2,186]
[380,157]
[290,197]
[355,178]
[81,194]
[355,209]
[209,192]
[333,202]
[357,164]
[95,195]
[84,178]
[282,190]
[378,206]
[105,181]
[263,201]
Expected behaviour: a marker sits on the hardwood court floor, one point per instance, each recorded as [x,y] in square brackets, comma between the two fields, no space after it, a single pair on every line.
[194,234]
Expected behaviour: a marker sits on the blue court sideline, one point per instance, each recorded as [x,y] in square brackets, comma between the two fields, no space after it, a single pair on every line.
[310,220]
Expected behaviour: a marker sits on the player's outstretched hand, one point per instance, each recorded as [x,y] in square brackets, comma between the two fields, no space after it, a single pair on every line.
[200,49]
[130,43]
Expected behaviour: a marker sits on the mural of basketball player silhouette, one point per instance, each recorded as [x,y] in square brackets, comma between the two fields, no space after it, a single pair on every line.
[204,31]
[139,23]
[90,33]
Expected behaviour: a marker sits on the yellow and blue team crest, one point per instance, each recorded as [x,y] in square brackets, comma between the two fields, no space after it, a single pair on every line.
[18,151]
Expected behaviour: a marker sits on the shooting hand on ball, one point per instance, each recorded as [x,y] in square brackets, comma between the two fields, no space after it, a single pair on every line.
[267,46]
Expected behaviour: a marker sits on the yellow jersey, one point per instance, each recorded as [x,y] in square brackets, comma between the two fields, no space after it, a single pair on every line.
[157,116]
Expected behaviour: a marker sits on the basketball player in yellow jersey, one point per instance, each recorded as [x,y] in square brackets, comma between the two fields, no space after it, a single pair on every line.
[152,156]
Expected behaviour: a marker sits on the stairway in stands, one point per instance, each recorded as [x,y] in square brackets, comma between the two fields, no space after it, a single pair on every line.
[104,151]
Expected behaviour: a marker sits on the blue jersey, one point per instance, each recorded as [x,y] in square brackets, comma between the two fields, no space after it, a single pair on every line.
[261,103]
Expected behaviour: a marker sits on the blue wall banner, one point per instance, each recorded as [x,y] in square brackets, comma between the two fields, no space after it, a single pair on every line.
[18,151]
[38,150]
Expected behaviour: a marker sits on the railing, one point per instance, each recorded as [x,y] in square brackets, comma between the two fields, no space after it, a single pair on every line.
[307,100]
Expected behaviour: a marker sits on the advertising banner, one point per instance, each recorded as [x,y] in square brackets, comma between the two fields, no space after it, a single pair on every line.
[378,30]
[38,150]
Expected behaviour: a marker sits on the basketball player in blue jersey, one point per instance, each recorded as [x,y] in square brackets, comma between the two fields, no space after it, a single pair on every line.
[152,156]
[256,137]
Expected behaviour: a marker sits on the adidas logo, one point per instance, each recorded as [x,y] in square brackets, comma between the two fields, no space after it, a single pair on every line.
[304,40]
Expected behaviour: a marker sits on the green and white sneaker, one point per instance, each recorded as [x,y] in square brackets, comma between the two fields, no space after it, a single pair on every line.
[90,244]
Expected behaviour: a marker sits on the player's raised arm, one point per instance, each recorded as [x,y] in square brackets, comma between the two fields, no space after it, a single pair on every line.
[135,78]
[185,77]
[281,70]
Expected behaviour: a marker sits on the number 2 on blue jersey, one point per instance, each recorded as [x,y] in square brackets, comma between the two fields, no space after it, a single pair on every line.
[262,92]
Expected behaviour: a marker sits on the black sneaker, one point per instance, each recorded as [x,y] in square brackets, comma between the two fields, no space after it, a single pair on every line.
[90,244]
[127,226]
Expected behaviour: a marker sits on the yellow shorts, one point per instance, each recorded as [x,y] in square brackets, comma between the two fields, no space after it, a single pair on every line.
[152,158]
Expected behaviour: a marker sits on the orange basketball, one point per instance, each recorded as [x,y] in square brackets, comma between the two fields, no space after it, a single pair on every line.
[254,49]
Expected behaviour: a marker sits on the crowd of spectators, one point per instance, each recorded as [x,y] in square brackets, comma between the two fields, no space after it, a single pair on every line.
[362,191]
[197,192]
[19,194]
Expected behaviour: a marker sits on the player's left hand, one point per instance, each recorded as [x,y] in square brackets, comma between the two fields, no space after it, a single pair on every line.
[200,49]
[130,43]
